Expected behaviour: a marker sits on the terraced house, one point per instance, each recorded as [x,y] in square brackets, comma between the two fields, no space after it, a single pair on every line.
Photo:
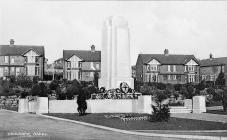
[18,59]
[211,67]
[81,64]
[167,68]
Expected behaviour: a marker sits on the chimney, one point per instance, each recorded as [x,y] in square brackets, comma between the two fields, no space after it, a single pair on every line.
[166,52]
[211,56]
[11,42]
[92,48]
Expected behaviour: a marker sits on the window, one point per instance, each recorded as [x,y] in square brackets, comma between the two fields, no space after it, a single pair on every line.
[68,64]
[12,60]
[191,78]
[12,69]
[191,68]
[148,67]
[153,67]
[185,68]
[17,71]
[174,68]
[97,66]
[212,77]
[169,77]
[80,64]
[165,77]
[37,71]
[179,77]
[203,77]
[6,59]
[174,77]
[169,68]
[6,69]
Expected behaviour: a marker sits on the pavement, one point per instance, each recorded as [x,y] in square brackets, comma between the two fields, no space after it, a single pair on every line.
[31,126]
[203,116]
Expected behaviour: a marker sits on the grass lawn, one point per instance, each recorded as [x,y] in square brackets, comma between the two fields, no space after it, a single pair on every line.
[172,124]
[221,112]
[10,108]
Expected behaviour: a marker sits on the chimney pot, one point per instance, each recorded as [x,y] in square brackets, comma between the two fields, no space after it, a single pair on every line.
[211,56]
[166,52]
[11,42]
[92,48]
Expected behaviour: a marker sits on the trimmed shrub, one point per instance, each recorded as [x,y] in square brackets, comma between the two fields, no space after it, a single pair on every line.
[161,111]
[39,90]
[82,104]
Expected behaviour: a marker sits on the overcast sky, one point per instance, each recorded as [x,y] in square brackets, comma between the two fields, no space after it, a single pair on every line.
[187,27]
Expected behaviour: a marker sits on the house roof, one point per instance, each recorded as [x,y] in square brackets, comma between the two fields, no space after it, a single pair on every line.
[214,61]
[19,49]
[168,59]
[85,55]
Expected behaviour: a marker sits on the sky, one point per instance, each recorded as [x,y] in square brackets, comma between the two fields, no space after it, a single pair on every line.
[183,27]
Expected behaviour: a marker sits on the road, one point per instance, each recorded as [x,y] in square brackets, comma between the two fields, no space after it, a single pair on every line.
[30,126]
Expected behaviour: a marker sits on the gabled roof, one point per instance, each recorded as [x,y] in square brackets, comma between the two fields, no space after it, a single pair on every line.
[19,49]
[214,61]
[85,55]
[168,59]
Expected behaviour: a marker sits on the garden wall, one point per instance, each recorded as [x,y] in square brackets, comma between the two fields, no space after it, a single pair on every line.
[63,106]
[140,105]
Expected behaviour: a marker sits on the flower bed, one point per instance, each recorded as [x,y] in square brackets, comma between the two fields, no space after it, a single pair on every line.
[127,117]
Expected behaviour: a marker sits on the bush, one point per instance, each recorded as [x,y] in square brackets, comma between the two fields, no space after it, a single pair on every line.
[23,95]
[148,90]
[161,111]
[89,90]
[24,81]
[39,90]
[82,105]
[177,87]
[54,85]
[201,86]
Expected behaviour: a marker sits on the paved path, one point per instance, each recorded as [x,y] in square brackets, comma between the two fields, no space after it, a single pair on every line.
[202,116]
[27,124]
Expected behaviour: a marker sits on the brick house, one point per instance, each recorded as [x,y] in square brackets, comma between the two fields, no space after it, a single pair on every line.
[81,64]
[167,68]
[210,68]
[18,59]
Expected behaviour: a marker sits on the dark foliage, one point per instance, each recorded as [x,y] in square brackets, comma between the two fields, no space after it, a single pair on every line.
[177,87]
[96,78]
[161,111]
[54,85]
[39,89]
[220,81]
[82,104]
[23,95]
[24,81]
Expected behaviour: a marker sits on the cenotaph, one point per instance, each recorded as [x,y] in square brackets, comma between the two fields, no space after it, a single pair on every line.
[115,55]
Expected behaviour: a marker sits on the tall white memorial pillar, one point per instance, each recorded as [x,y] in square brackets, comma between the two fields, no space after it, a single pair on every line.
[115,54]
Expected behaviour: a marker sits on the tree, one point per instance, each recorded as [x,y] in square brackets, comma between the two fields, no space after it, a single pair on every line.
[220,81]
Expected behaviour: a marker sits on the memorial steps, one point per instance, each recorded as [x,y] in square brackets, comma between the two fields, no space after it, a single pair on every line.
[179,109]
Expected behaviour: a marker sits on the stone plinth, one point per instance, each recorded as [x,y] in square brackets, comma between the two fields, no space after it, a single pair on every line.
[23,106]
[115,54]
[199,104]
[32,106]
[188,103]
[145,104]
[42,105]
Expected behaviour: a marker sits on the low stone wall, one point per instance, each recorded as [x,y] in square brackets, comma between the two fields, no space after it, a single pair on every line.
[63,106]
[110,106]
